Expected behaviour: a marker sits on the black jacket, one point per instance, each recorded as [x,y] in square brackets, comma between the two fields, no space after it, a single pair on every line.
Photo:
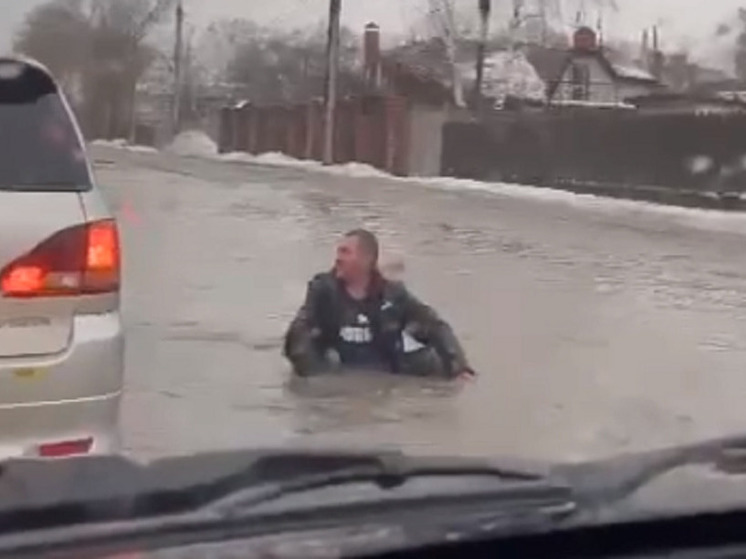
[316,324]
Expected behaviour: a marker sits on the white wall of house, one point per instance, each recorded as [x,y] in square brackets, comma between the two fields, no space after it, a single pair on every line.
[602,86]
[426,139]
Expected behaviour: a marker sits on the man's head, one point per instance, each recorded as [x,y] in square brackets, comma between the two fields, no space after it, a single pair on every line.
[357,255]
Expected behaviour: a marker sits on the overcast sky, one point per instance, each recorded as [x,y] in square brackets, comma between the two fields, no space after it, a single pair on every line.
[683,22]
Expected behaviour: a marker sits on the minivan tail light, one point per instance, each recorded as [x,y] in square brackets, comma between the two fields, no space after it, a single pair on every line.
[66,448]
[79,260]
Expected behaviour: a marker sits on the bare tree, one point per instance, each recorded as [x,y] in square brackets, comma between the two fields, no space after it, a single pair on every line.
[273,66]
[120,58]
[101,46]
[58,35]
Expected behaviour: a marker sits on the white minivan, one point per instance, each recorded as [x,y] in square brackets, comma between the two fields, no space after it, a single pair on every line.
[61,336]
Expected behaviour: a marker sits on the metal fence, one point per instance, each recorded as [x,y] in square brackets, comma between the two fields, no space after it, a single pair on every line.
[368,129]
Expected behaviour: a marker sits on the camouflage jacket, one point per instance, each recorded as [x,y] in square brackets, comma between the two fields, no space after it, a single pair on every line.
[317,323]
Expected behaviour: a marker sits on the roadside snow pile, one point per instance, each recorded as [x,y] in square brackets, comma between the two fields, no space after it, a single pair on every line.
[118,143]
[193,143]
[356,170]
[121,143]
[141,149]
[277,159]
[272,159]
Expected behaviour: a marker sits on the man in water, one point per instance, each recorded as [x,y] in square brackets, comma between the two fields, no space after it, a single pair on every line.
[369,322]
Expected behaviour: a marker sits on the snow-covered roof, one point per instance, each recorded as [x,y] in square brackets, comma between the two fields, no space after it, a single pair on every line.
[507,74]
[530,72]
[632,72]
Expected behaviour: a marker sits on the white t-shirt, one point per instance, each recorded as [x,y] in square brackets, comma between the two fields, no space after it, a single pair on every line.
[410,344]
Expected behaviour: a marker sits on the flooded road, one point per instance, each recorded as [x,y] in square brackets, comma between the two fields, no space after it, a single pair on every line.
[596,326]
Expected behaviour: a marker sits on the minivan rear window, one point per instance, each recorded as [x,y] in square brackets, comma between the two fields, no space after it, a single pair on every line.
[39,147]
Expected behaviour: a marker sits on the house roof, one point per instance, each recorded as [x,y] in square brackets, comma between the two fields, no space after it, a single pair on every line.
[421,70]
[424,66]
[427,59]
[617,70]
[548,62]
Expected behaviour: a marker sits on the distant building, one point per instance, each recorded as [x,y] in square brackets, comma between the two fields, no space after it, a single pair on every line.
[585,72]
[589,75]
[419,74]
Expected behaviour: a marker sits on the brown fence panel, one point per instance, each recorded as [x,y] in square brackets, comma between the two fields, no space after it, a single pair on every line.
[344,132]
[397,136]
[316,131]
[242,128]
[370,131]
[296,131]
[252,126]
[225,134]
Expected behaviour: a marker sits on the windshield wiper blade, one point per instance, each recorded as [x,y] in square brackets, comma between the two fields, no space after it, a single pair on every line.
[606,481]
[388,470]
[118,487]
[191,495]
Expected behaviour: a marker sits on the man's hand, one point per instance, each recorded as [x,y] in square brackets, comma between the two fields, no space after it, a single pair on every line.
[466,374]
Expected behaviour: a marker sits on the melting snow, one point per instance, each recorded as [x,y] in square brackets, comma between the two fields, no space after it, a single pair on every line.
[198,144]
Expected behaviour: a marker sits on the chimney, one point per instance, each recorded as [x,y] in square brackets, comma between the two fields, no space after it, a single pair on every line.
[657,59]
[372,56]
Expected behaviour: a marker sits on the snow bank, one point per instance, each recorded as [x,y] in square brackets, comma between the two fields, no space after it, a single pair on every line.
[271,159]
[193,143]
[276,159]
[121,143]
[118,143]
[198,144]
[704,219]
[142,149]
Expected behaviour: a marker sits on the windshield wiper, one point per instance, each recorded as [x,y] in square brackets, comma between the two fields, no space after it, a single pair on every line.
[606,481]
[387,471]
[88,503]
[180,484]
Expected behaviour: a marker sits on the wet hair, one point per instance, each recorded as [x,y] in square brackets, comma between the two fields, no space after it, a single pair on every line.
[368,241]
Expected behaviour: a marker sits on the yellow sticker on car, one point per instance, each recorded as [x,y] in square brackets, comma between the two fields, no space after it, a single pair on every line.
[29,373]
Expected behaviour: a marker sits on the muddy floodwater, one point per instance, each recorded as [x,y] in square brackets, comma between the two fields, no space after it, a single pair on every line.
[596,326]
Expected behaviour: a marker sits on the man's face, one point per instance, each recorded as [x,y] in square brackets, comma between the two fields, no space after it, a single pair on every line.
[351,261]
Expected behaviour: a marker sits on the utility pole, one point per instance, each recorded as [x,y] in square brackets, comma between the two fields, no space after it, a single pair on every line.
[485,7]
[176,116]
[332,67]
[543,22]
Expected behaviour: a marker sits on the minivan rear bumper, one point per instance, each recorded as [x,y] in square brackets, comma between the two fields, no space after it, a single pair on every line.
[50,423]
[70,397]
